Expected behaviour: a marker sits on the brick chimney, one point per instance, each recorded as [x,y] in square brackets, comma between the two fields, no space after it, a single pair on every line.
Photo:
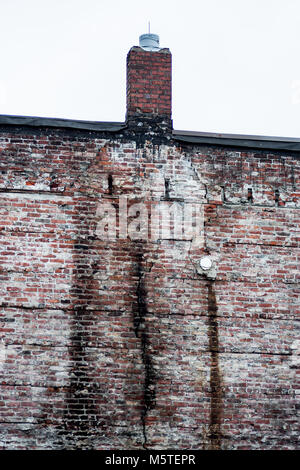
[149,77]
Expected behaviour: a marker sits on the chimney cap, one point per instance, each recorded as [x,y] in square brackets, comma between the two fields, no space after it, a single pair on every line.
[149,42]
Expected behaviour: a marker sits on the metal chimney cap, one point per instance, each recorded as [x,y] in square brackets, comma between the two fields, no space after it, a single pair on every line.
[149,42]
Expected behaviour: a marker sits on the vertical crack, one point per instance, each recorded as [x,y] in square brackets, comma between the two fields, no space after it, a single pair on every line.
[250,195]
[110,184]
[140,313]
[167,189]
[216,404]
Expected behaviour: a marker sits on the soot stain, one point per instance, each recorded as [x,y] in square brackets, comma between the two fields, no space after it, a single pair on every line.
[140,314]
[216,403]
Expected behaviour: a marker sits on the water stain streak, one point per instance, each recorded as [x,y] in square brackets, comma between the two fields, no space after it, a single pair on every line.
[216,404]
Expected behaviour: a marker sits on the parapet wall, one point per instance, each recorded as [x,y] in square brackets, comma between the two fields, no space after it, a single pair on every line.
[121,341]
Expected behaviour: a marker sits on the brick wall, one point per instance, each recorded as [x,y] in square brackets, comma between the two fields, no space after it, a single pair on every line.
[149,77]
[124,343]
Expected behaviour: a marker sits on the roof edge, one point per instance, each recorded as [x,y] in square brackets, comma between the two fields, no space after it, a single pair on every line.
[229,140]
[34,121]
[238,140]
[236,136]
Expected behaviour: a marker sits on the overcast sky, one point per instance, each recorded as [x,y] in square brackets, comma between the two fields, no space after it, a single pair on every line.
[236,63]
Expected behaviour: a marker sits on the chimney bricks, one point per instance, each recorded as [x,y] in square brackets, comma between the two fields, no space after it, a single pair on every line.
[149,75]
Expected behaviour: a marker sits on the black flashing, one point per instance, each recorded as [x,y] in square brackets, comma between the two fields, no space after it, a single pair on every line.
[189,137]
[235,140]
[33,121]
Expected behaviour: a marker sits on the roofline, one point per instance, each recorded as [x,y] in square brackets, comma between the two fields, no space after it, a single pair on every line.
[238,140]
[228,140]
[236,136]
[35,121]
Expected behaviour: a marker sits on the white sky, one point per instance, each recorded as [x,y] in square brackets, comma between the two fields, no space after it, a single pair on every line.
[236,63]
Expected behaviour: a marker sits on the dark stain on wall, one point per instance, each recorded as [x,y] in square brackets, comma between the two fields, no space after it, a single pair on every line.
[80,413]
[216,402]
[80,419]
[140,328]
